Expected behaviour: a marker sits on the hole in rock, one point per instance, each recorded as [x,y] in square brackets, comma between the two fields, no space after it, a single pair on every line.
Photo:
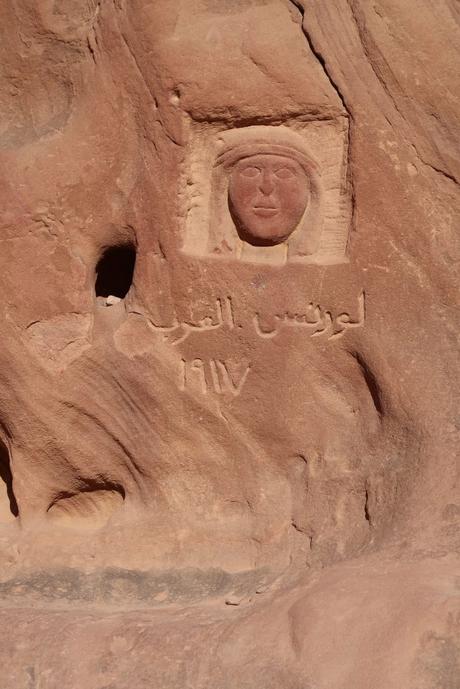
[8,505]
[114,271]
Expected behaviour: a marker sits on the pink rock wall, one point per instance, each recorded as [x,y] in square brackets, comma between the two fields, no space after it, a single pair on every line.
[228,344]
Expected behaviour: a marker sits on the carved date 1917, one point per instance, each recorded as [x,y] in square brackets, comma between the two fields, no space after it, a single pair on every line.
[213,374]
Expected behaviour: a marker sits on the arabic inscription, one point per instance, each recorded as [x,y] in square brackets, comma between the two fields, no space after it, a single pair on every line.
[314,321]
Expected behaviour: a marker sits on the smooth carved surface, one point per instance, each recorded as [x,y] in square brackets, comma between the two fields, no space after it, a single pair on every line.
[229,344]
[268,194]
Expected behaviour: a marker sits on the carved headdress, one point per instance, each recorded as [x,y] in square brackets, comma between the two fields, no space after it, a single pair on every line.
[289,145]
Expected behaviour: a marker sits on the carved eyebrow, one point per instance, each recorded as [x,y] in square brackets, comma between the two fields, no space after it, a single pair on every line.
[285,166]
[248,166]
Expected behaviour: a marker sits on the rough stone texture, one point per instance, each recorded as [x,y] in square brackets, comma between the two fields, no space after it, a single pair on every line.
[228,454]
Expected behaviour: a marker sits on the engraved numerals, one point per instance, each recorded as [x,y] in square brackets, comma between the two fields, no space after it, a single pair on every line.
[220,377]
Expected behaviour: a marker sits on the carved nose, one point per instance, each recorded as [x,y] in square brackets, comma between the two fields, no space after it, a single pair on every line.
[266,185]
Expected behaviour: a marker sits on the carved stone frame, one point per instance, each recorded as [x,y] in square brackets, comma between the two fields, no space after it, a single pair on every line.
[321,235]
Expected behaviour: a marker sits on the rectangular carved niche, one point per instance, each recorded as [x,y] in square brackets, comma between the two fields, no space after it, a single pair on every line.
[267,194]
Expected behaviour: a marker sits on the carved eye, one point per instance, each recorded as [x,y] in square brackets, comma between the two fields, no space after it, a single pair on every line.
[250,171]
[284,173]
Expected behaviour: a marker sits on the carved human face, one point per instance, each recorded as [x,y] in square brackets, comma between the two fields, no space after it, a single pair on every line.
[268,194]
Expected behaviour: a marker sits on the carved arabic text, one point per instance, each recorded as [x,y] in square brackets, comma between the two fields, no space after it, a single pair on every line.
[313,320]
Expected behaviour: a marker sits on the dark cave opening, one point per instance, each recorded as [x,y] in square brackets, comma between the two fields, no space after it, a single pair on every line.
[114,271]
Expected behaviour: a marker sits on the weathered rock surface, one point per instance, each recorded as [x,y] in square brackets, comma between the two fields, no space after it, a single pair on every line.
[229,344]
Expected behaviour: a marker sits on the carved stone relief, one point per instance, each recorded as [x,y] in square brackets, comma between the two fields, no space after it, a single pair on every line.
[228,353]
[268,194]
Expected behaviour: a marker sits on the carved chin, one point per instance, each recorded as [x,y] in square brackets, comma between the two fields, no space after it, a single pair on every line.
[264,231]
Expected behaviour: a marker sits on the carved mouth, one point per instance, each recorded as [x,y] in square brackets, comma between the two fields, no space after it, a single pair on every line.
[265,211]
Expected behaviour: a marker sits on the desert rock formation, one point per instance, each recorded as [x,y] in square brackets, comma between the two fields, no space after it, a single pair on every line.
[229,344]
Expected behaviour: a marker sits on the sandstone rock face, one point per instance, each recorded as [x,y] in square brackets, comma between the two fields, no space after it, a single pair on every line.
[229,344]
